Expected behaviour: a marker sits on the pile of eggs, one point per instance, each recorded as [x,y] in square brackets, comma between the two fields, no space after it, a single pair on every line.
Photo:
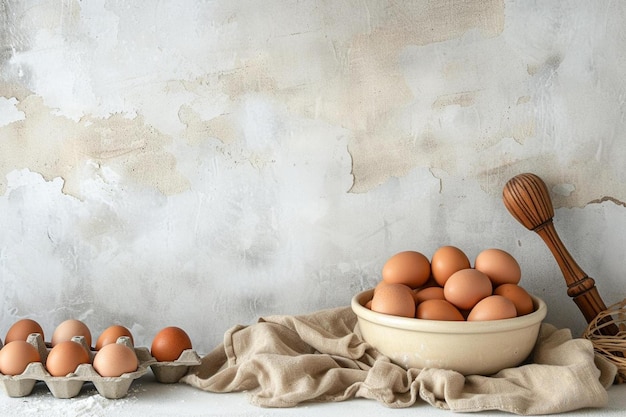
[110,359]
[447,287]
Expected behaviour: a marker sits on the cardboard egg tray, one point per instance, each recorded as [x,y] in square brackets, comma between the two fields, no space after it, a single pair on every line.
[69,386]
[172,372]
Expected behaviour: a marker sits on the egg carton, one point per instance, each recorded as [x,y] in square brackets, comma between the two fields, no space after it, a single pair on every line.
[69,386]
[171,372]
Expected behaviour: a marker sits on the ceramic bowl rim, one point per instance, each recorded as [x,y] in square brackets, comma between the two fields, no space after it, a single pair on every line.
[440,326]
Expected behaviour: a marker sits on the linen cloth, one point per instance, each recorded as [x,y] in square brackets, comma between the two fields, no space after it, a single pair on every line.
[284,360]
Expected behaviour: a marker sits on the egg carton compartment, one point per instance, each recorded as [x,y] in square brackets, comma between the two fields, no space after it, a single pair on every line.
[23,384]
[171,372]
[69,386]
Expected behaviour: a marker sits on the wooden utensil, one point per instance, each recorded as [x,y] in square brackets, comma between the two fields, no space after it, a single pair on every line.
[526,197]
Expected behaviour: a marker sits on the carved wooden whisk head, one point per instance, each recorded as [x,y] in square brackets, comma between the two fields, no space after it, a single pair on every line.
[526,197]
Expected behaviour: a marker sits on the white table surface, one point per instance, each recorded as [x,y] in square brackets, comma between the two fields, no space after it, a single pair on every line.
[146,397]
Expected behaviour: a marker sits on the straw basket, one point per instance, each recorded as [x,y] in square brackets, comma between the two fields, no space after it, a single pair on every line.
[612,347]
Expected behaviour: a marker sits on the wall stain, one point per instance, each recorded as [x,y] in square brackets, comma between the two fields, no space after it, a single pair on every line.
[462,99]
[222,127]
[608,198]
[251,76]
[547,166]
[373,86]
[56,146]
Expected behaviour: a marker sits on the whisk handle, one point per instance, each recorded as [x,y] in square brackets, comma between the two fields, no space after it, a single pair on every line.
[526,197]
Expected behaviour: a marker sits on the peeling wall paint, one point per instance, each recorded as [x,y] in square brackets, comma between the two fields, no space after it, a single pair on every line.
[58,147]
[194,163]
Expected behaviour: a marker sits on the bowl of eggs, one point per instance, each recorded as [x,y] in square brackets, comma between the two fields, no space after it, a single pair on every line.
[445,313]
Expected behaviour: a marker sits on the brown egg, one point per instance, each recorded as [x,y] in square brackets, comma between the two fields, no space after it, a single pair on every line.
[115,359]
[65,357]
[169,343]
[15,357]
[446,261]
[436,309]
[467,287]
[494,307]
[394,299]
[111,334]
[21,329]
[409,268]
[380,284]
[500,266]
[70,328]
[518,295]
[428,293]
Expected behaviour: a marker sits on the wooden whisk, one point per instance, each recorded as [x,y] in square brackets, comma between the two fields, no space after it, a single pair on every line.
[526,198]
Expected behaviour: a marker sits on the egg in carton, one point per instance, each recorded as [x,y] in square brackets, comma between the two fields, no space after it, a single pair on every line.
[172,371]
[23,384]
[109,387]
[70,385]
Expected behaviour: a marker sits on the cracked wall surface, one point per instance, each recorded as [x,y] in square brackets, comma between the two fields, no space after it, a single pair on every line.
[194,162]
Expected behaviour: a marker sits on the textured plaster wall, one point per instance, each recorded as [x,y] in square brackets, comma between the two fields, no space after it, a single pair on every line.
[202,164]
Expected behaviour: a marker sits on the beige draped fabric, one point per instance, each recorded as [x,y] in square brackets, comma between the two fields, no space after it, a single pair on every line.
[282,361]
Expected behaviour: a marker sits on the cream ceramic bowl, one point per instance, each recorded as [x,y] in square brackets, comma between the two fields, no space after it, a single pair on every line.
[478,347]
